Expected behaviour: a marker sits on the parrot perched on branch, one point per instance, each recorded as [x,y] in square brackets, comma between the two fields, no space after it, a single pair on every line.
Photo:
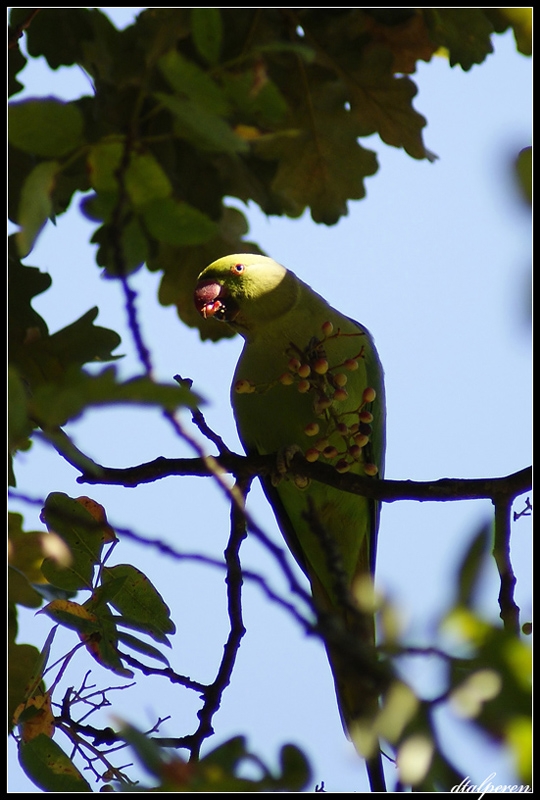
[309,379]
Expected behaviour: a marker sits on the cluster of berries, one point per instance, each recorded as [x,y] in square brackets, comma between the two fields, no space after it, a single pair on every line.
[309,371]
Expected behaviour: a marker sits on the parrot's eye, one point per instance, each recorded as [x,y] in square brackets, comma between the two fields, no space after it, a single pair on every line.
[237,269]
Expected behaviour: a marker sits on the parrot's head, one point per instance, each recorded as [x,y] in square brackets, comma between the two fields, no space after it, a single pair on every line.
[245,290]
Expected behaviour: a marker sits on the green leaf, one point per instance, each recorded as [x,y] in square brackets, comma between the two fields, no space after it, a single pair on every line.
[139,646]
[35,205]
[382,103]
[129,238]
[20,591]
[16,62]
[99,206]
[60,34]
[150,755]
[55,402]
[521,21]
[19,426]
[82,534]
[524,173]
[472,565]
[216,772]
[49,767]
[104,159]
[44,359]
[321,164]
[177,223]
[257,100]
[296,772]
[305,52]
[102,643]
[139,601]
[190,81]
[206,29]
[227,755]
[201,126]
[26,554]
[160,29]
[25,283]
[47,128]
[21,660]
[146,180]
[465,32]
[143,177]
[218,769]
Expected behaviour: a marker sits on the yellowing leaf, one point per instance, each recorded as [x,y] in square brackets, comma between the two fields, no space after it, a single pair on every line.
[519,737]
[35,717]
[408,42]
[521,21]
[97,511]
[71,614]
[414,758]
[84,538]
[468,698]
[247,132]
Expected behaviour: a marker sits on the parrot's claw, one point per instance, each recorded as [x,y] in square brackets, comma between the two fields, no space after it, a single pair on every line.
[283,462]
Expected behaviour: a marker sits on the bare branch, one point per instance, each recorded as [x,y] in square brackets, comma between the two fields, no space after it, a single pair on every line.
[199,420]
[509,611]
[214,692]
[389,491]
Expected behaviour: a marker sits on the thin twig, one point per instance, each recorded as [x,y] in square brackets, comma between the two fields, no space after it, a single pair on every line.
[164,672]
[17,32]
[234,580]
[199,420]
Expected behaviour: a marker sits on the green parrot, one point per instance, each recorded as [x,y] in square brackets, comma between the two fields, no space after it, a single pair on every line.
[309,379]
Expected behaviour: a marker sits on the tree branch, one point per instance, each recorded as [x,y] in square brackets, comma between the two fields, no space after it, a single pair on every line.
[389,491]
[214,692]
[501,553]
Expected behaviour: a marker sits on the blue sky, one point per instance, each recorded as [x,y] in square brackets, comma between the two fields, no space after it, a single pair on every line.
[436,263]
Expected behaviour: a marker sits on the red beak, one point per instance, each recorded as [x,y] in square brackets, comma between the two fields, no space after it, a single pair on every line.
[206,298]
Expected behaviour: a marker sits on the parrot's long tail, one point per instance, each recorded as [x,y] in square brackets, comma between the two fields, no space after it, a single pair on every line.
[359,678]
[377,781]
